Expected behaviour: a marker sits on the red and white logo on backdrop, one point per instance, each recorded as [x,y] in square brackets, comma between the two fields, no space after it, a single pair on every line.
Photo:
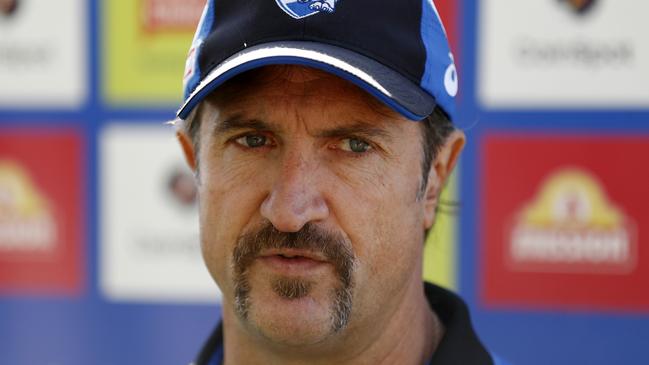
[41,224]
[171,15]
[571,226]
[27,220]
[562,222]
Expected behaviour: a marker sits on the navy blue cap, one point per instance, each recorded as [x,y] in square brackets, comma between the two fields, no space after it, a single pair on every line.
[395,50]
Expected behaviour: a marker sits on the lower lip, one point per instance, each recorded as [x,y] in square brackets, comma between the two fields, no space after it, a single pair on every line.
[295,265]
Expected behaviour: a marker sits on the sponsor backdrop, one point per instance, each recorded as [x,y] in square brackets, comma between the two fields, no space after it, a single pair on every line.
[544,229]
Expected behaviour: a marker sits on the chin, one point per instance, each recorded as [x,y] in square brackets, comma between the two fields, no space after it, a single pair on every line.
[303,321]
[295,334]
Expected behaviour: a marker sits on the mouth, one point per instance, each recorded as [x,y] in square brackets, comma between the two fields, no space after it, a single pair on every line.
[292,253]
[293,261]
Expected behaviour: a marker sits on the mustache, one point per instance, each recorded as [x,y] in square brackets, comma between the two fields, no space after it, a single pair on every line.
[332,245]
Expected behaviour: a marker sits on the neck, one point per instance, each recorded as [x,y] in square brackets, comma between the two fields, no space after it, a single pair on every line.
[409,334]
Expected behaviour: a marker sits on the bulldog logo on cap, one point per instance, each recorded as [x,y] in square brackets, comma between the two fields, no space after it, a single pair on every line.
[299,9]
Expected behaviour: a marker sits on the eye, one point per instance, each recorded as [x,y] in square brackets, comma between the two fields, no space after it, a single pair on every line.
[252,140]
[355,145]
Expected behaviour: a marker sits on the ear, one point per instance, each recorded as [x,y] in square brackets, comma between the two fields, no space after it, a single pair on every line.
[441,169]
[188,149]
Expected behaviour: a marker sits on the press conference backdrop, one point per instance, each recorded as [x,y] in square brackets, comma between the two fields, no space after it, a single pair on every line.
[544,231]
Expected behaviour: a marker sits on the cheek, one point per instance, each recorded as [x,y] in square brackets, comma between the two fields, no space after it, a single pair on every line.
[382,216]
[384,226]
[395,238]
[230,195]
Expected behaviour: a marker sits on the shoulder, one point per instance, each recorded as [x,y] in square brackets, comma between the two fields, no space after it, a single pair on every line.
[460,344]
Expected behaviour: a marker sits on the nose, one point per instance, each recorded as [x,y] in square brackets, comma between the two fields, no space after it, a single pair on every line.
[295,197]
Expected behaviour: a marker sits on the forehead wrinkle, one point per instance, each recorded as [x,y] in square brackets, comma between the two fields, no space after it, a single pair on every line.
[333,126]
[286,99]
[357,128]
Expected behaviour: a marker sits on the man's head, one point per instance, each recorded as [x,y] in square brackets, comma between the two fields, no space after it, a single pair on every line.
[312,204]
[316,175]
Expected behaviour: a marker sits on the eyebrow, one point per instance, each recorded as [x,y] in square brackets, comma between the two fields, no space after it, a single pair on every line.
[361,129]
[237,123]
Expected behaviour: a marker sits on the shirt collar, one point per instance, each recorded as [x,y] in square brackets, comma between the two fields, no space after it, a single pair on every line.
[460,344]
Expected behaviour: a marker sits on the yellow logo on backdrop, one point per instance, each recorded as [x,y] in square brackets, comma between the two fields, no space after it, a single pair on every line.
[26,220]
[571,221]
[145,47]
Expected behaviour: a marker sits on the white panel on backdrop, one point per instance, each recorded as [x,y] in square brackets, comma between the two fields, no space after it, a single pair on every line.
[563,53]
[43,53]
[150,248]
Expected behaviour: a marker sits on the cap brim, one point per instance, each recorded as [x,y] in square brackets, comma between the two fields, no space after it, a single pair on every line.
[387,85]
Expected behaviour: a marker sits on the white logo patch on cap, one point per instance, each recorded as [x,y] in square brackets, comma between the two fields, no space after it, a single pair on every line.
[299,9]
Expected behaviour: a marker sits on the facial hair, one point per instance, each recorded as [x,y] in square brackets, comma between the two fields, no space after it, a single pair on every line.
[335,249]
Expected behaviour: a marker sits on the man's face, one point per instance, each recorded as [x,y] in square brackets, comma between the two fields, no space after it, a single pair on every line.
[311,221]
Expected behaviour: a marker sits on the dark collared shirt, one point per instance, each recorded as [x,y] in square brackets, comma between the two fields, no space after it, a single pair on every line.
[459,346]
